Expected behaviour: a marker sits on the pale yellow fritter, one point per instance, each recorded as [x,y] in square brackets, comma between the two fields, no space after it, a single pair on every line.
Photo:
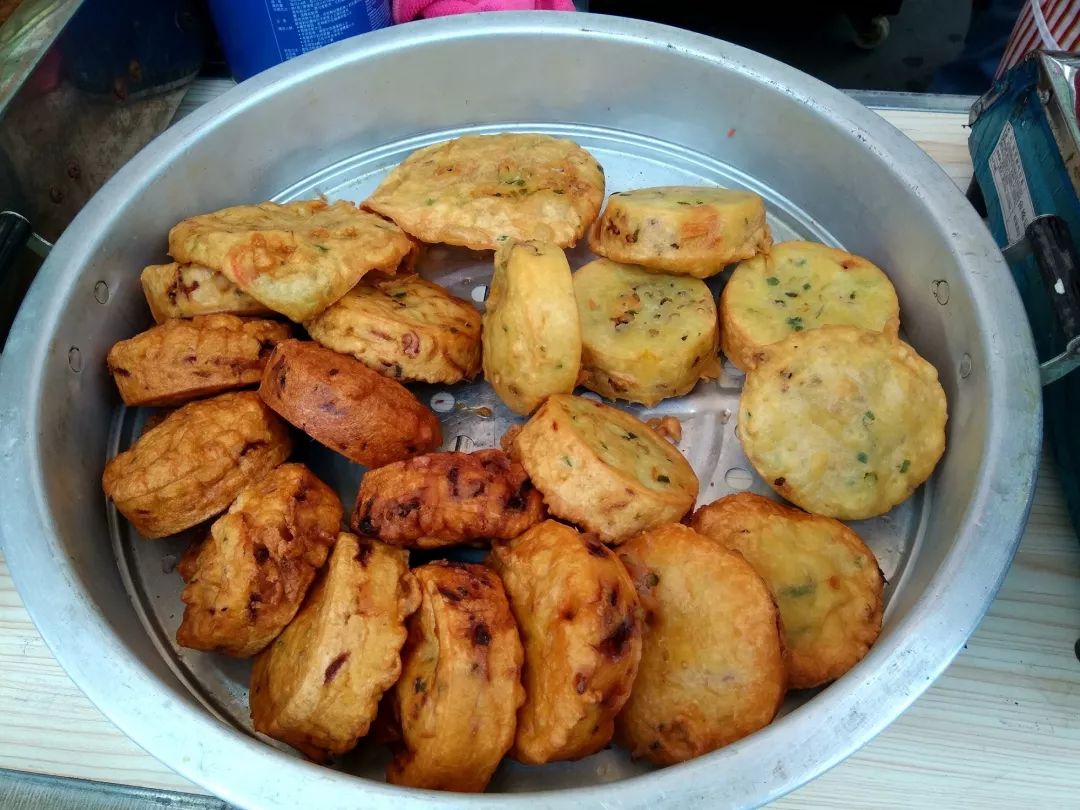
[177,290]
[532,338]
[460,685]
[317,687]
[193,464]
[799,286]
[842,421]
[479,190]
[580,622]
[604,470]
[688,230]
[250,575]
[712,666]
[182,359]
[406,328]
[296,258]
[824,579]
[644,336]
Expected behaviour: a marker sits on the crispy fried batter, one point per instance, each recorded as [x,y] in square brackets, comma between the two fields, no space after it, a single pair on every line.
[460,685]
[180,360]
[823,577]
[580,623]
[252,572]
[442,499]
[479,190]
[346,406]
[177,290]
[195,463]
[690,230]
[602,469]
[842,421]
[317,687]
[297,258]
[712,667]
[406,328]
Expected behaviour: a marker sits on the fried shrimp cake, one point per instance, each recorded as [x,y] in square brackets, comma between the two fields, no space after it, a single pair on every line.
[442,499]
[180,360]
[799,286]
[296,258]
[460,686]
[688,230]
[478,190]
[712,666]
[580,623]
[251,574]
[317,686]
[824,579]
[602,469]
[344,405]
[644,336]
[532,337]
[843,421]
[177,290]
[406,328]
[195,462]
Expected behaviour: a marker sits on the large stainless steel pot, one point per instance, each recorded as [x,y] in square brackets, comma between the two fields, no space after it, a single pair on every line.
[655,104]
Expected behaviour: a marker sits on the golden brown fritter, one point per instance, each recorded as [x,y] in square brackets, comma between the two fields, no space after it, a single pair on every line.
[604,470]
[317,686]
[824,579]
[406,328]
[580,622]
[254,569]
[479,190]
[343,404]
[296,258]
[177,290]
[446,498]
[460,685]
[181,360]
[712,666]
[194,464]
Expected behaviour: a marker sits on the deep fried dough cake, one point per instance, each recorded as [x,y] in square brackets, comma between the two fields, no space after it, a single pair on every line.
[580,623]
[712,666]
[177,290]
[644,336]
[442,499]
[532,338]
[479,190]
[317,686]
[842,421]
[460,685]
[688,230]
[799,286]
[296,258]
[406,328]
[346,406]
[194,464]
[181,360]
[604,470]
[824,579]
[252,572]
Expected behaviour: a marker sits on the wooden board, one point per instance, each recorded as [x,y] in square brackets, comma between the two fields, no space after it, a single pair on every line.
[1001,728]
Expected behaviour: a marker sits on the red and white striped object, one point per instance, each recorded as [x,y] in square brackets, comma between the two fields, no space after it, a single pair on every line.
[1052,25]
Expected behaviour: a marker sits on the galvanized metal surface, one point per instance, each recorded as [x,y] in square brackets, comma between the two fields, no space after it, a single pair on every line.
[656,105]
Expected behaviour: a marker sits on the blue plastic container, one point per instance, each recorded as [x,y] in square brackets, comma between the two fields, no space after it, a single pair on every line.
[257,34]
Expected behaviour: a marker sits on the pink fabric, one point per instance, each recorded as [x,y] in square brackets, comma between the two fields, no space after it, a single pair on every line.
[405,10]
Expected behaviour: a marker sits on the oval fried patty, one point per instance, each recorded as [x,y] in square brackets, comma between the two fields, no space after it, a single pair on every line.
[442,499]
[177,290]
[460,685]
[824,579]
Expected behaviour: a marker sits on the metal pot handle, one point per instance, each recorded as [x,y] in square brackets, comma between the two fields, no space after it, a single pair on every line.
[15,235]
[1047,239]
